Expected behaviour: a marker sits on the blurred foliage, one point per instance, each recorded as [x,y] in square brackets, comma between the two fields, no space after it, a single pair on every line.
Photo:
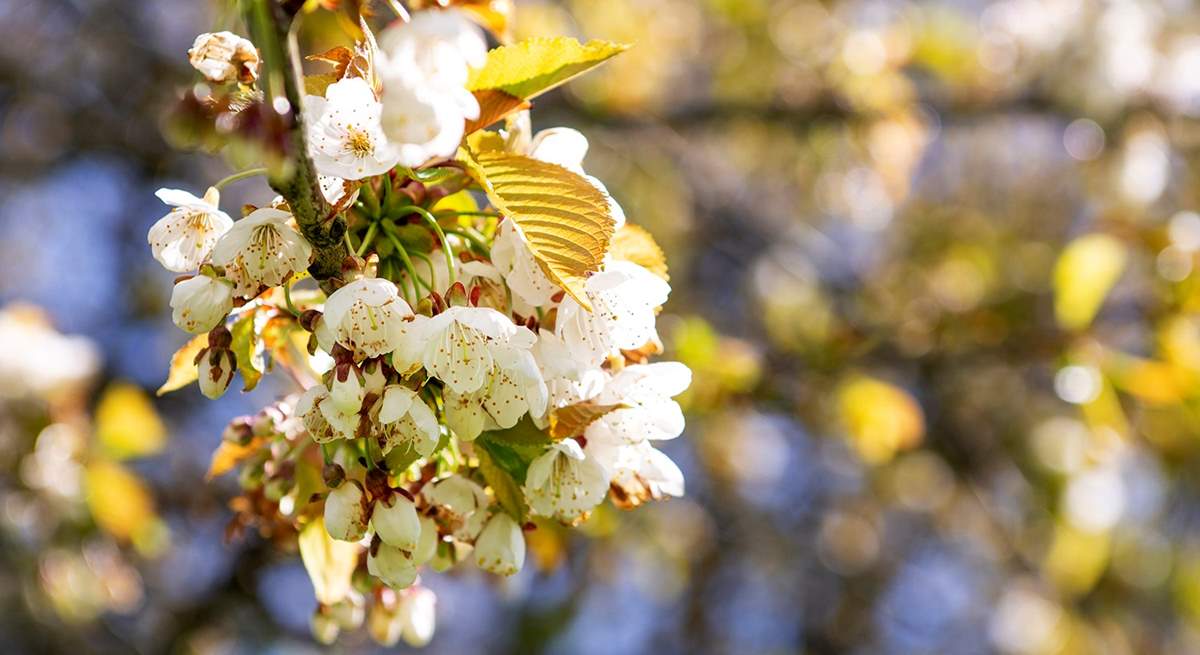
[934,267]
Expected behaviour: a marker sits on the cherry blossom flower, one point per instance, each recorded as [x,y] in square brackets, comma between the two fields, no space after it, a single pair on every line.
[309,410]
[564,484]
[224,57]
[461,503]
[367,316]
[215,371]
[648,412]
[199,303]
[624,299]
[393,566]
[500,548]
[514,259]
[406,421]
[261,250]
[343,405]
[396,522]
[185,237]
[345,136]
[418,615]
[347,512]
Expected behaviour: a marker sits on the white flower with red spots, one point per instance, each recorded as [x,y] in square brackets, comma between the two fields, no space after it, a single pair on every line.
[184,238]
[199,303]
[500,548]
[345,136]
[564,483]
[484,360]
[261,250]
[367,316]
[624,299]
[405,421]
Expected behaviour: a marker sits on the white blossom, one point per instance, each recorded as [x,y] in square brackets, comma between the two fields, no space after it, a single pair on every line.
[462,505]
[500,548]
[514,259]
[427,543]
[345,136]
[261,250]
[367,316]
[564,484]
[393,566]
[418,615]
[199,303]
[648,412]
[639,472]
[624,298]
[396,522]
[185,237]
[484,360]
[224,57]
[346,395]
[424,67]
[406,421]
[346,512]
[309,411]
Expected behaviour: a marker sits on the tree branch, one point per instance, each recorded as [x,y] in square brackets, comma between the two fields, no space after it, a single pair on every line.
[290,169]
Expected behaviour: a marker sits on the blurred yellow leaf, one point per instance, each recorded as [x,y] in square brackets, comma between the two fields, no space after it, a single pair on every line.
[1076,559]
[1085,272]
[534,66]
[564,217]
[127,424]
[229,455]
[1153,382]
[245,348]
[330,563]
[880,418]
[183,365]
[633,243]
[120,503]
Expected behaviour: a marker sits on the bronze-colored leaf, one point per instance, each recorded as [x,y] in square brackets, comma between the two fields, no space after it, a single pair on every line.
[633,243]
[183,369]
[572,420]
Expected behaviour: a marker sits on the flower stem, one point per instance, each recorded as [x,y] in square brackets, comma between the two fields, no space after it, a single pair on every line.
[287,298]
[474,237]
[366,242]
[239,176]
[399,10]
[408,266]
[432,220]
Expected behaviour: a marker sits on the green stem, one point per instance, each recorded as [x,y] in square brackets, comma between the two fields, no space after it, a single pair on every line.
[239,176]
[476,239]
[432,220]
[287,298]
[408,266]
[366,242]
[449,213]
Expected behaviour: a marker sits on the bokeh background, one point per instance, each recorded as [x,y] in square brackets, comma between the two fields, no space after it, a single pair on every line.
[933,267]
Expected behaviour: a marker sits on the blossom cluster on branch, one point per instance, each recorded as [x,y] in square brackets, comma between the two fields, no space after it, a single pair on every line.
[481,355]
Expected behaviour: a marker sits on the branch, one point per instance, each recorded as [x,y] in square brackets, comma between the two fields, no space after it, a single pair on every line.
[291,172]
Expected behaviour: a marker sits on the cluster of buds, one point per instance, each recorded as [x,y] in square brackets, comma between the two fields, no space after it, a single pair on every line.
[454,389]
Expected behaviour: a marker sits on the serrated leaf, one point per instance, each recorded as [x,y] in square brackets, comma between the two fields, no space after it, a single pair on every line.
[566,219]
[127,424]
[533,66]
[245,349]
[229,455]
[183,369]
[633,243]
[330,563]
[494,106]
[507,490]
[572,420]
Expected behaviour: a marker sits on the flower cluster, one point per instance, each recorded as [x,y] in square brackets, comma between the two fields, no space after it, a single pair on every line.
[471,369]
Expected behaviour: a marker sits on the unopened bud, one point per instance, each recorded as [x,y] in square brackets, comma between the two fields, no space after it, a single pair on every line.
[308,319]
[500,548]
[396,522]
[384,624]
[349,613]
[347,512]
[334,475]
[215,370]
[324,628]
[219,337]
[239,431]
[392,566]
[456,295]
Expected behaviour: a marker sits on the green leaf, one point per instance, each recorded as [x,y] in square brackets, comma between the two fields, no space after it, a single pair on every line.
[183,370]
[1085,272]
[524,433]
[504,486]
[566,219]
[245,348]
[330,563]
[527,69]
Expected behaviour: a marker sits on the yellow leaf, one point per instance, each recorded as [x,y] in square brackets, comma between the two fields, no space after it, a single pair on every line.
[330,563]
[633,243]
[534,66]
[494,106]
[880,419]
[572,420]
[183,365]
[493,15]
[245,348]
[565,219]
[1076,559]
[119,501]
[127,424]
[229,455]
[1085,272]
